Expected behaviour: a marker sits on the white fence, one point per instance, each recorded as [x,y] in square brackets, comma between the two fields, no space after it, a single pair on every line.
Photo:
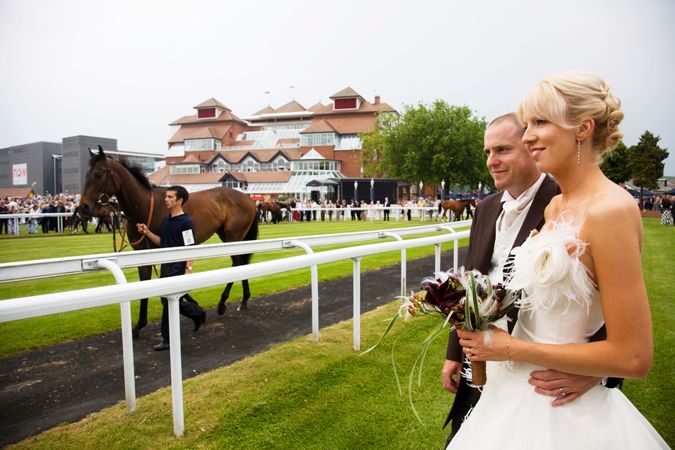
[19,219]
[173,288]
[396,212]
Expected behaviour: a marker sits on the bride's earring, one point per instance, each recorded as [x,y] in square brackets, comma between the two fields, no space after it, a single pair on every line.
[578,151]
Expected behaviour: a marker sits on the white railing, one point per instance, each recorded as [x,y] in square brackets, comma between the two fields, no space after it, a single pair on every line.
[173,288]
[397,212]
[77,264]
[17,218]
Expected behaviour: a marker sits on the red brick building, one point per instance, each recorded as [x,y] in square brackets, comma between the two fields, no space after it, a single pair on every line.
[275,151]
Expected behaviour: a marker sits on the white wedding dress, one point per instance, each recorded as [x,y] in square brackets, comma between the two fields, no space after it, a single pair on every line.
[561,305]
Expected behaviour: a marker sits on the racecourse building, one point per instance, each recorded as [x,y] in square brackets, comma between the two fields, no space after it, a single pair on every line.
[290,150]
[52,167]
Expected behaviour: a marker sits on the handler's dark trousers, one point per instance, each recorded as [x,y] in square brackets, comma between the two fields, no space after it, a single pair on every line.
[187,309]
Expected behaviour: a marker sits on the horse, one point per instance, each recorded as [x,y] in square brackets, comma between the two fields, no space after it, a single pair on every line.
[269,207]
[227,212]
[456,206]
[285,209]
[106,217]
[78,219]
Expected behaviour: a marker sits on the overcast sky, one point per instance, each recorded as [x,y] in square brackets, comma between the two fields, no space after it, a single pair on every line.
[126,69]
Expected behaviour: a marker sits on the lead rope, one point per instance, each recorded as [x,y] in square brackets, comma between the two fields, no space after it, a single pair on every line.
[126,224]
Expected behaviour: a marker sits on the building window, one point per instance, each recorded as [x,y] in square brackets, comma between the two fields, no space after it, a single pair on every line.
[250,165]
[202,144]
[316,139]
[345,103]
[316,167]
[349,142]
[234,184]
[183,169]
[220,166]
[206,113]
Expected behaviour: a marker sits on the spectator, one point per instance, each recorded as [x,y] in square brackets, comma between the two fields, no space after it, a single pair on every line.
[3,222]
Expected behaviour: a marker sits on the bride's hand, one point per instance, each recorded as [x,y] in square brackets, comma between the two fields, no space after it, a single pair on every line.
[491,345]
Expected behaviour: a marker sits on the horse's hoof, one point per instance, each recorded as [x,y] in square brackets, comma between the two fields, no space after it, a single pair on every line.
[242,307]
[221,308]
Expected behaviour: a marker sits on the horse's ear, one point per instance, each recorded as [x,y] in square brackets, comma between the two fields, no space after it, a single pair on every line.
[100,152]
[91,152]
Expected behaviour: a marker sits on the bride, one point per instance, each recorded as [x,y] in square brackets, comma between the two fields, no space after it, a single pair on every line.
[582,270]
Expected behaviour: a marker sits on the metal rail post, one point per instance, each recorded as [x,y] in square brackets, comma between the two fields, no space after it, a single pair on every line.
[455,254]
[357,302]
[404,268]
[176,365]
[127,340]
[315,287]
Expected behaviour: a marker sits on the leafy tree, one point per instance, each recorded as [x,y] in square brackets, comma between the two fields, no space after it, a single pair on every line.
[646,161]
[616,165]
[428,143]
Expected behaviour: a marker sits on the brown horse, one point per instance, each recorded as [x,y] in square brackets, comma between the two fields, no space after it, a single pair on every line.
[456,206]
[269,207]
[275,208]
[227,212]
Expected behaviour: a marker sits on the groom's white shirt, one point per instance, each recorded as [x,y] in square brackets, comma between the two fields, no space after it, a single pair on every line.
[514,211]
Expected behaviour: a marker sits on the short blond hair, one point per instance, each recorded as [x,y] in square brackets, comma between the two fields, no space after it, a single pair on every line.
[569,98]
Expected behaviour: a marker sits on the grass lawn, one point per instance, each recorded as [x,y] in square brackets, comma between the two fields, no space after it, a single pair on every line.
[322,395]
[34,333]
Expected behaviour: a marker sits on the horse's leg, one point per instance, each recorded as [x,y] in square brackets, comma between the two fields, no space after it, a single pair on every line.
[237,260]
[223,299]
[144,273]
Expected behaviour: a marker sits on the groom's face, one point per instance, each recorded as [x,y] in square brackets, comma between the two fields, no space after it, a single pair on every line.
[510,164]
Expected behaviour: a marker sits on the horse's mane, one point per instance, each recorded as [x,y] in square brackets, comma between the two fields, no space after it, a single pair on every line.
[135,171]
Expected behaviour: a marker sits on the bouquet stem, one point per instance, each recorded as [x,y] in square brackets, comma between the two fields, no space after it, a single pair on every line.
[478,374]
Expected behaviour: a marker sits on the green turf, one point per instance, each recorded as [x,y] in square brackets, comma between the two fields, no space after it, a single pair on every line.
[34,333]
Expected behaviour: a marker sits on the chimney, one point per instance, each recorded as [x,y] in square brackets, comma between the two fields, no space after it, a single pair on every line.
[377,99]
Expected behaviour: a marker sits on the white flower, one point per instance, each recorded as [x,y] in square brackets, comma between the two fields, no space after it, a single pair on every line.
[548,270]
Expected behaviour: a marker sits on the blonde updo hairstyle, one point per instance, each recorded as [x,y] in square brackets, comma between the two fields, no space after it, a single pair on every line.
[569,98]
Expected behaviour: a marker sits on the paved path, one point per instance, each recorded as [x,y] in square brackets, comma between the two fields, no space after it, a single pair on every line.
[64,383]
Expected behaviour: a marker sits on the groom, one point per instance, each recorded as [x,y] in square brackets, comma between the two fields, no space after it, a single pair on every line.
[501,222]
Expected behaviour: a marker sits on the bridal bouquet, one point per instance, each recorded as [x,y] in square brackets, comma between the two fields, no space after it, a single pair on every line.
[466,299]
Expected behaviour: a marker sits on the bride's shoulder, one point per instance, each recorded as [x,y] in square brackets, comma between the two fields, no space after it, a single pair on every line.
[613,209]
[612,203]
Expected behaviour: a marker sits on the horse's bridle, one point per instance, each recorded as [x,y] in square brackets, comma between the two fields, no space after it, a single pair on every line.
[104,200]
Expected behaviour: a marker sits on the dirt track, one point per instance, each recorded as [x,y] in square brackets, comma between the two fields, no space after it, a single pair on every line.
[63,383]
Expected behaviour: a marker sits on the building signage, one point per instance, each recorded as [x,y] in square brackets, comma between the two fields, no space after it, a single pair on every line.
[19,174]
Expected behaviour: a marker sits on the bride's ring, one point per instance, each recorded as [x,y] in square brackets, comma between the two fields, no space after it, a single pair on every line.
[562,392]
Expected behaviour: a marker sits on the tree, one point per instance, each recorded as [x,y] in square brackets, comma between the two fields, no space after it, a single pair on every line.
[428,143]
[646,161]
[616,165]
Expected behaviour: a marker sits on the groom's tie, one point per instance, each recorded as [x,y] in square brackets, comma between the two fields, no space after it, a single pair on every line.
[511,209]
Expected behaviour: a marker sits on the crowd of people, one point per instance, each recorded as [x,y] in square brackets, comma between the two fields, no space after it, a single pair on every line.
[662,204]
[39,205]
[327,210]
[35,207]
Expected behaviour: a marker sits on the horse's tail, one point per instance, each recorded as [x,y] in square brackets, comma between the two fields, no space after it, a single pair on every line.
[440,207]
[251,235]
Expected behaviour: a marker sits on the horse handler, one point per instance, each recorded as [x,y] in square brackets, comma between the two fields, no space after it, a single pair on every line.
[177,230]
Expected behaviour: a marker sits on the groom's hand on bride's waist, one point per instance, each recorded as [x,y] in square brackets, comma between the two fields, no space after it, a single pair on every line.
[450,375]
[564,387]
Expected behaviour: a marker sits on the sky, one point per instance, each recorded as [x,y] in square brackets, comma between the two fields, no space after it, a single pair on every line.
[126,69]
